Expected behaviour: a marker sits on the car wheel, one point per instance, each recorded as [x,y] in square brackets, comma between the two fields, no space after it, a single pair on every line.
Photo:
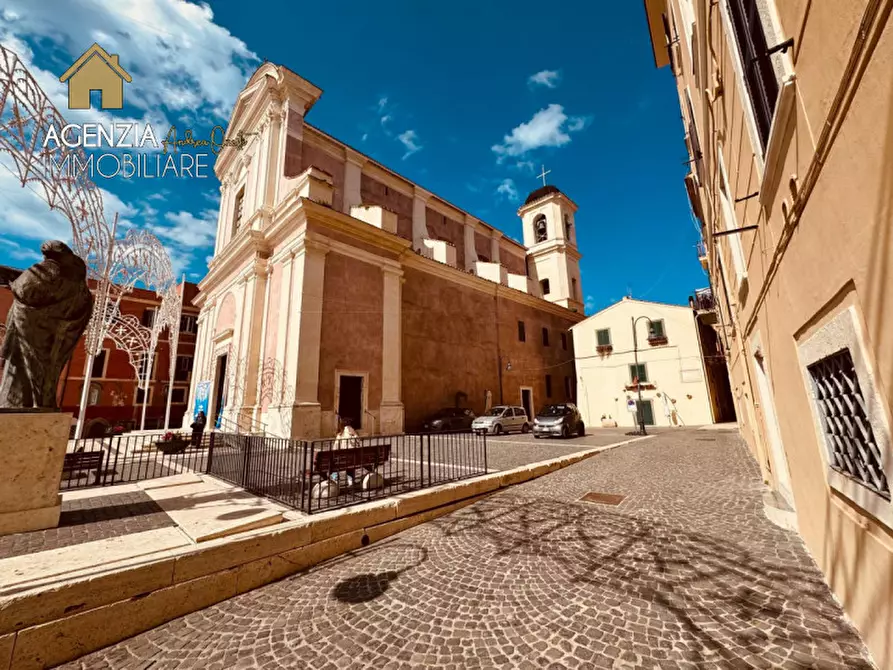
[497,430]
[565,433]
[581,430]
[525,428]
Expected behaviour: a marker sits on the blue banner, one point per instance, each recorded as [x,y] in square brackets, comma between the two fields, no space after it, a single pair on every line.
[202,394]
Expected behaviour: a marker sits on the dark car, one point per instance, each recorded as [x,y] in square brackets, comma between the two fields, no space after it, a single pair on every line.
[450,418]
[561,420]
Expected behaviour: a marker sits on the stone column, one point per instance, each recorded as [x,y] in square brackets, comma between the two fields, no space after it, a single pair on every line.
[197,358]
[260,164]
[494,246]
[275,155]
[283,322]
[353,176]
[390,415]
[302,355]
[254,292]
[471,254]
[419,219]
[222,238]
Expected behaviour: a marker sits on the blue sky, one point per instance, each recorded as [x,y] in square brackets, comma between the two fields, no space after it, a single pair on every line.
[468,99]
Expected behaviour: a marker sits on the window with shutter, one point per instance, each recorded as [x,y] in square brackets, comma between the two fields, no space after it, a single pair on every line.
[759,73]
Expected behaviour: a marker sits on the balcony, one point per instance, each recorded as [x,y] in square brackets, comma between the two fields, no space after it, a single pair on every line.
[704,305]
[702,254]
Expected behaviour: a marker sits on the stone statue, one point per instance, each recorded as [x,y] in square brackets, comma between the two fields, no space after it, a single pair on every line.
[51,308]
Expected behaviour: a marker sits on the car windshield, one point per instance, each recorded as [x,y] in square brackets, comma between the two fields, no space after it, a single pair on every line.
[554,410]
[496,411]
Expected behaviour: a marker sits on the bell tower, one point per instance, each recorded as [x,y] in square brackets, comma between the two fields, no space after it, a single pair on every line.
[551,240]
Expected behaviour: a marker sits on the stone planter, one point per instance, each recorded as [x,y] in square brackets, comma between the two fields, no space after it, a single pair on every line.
[609,423]
[176,446]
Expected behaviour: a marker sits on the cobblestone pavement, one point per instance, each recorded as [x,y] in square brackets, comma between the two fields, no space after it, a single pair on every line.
[685,572]
[90,519]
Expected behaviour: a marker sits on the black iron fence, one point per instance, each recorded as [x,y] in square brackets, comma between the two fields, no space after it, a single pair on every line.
[320,475]
[119,459]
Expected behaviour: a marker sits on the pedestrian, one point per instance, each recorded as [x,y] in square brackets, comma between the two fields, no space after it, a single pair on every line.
[198,427]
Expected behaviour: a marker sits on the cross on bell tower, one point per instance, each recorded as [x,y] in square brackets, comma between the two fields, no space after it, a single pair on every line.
[543,174]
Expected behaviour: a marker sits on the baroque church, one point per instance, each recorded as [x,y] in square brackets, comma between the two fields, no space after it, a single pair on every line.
[339,289]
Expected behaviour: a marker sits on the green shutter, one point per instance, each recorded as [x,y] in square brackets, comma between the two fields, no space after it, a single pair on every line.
[657,328]
[604,337]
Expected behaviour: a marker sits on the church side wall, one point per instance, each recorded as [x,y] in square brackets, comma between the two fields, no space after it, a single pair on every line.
[327,163]
[441,227]
[512,262]
[482,246]
[351,336]
[450,346]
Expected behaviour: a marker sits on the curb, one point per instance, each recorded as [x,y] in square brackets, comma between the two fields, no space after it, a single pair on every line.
[45,626]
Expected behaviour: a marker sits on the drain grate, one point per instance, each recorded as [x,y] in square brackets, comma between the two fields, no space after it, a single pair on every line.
[603,498]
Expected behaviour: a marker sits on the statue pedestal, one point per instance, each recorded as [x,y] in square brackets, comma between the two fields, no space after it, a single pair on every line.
[32,448]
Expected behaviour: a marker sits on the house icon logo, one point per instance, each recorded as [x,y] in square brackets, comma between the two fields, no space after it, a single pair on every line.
[96,70]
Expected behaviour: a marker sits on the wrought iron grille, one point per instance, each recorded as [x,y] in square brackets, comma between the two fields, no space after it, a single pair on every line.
[852,447]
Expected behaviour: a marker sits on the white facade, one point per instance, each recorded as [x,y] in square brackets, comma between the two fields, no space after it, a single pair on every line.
[674,386]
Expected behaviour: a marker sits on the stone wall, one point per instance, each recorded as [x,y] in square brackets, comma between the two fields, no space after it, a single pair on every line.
[441,227]
[373,192]
[327,163]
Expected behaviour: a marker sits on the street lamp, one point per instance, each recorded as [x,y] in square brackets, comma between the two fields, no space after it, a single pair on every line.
[639,412]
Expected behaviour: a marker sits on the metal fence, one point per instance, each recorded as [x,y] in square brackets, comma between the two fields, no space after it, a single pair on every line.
[319,475]
[127,458]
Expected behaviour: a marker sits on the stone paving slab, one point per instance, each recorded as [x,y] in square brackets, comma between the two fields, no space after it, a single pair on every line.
[686,572]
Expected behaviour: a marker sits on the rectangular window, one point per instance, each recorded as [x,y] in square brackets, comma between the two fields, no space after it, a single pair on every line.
[188,324]
[564,341]
[574,288]
[98,369]
[148,317]
[544,286]
[548,386]
[568,391]
[178,396]
[641,374]
[759,73]
[657,328]
[604,337]
[139,396]
[237,209]
[545,337]
[184,367]
[853,449]
[522,336]
[730,222]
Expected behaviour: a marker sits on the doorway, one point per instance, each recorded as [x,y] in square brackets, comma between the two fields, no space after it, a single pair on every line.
[350,400]
[527,402]
[645,408]
[220,389]
[770,419]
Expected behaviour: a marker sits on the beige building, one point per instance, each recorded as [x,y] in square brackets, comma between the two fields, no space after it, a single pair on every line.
[788,113]
[340,290]
[664,359]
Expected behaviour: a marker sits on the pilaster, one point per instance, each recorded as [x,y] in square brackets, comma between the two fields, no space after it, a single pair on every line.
[419,220]
[494,246]
[471,254]
[353,176]
[391,412]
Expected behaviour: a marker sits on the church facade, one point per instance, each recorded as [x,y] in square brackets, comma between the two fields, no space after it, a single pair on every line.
[340,290]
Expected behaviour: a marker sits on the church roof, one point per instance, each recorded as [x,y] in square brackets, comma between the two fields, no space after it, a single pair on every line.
[541,192]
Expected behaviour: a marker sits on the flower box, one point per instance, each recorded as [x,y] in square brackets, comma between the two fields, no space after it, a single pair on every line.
[657,340]
[176,446]
[604,348]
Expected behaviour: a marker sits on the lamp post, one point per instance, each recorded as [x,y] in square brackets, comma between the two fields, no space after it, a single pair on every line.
[639,413]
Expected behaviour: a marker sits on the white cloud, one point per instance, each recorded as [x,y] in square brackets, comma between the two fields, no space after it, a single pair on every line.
[507,188]
[382,103]
[187,230]
[365,137]
[385,119]
[525,166]
[178,57]
[589,305]
[547,78]
[409,139]
[18,252]
[26,214]
[576,123]
[545,129]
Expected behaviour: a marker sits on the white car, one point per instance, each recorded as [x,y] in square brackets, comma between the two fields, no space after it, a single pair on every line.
[502,419]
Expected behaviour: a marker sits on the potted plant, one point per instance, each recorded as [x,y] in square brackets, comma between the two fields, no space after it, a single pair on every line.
[171,444]
[608,422]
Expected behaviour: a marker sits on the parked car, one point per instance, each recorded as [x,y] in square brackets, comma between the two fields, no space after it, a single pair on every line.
[449,418]
[502,419]
[561,420]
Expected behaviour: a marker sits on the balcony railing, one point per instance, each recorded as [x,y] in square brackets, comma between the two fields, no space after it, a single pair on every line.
[702,300]
[702,254]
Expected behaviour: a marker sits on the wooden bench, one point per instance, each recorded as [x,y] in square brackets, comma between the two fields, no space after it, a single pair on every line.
[84,461]
[344,459]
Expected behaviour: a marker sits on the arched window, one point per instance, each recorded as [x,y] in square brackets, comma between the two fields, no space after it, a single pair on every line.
[95,394]
[539,228]
[567,227]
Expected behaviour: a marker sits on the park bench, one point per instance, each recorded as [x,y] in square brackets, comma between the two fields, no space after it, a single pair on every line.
[368,457]
[84,461]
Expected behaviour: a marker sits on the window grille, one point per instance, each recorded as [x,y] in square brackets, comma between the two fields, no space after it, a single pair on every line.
[852,448]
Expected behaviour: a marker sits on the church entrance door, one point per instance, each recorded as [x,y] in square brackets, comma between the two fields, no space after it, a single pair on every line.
[220,387]
[350,400]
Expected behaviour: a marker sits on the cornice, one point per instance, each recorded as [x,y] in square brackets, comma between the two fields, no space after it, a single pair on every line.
[224,264]
[360,230]
[553,245]
[526,207]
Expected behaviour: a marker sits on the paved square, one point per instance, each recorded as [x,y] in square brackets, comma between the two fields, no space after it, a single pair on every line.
[686,572]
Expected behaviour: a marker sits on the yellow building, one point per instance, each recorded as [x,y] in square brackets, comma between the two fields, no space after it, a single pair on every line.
[788,112]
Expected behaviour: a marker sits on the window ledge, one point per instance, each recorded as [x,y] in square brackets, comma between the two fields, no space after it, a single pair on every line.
[780,133]
[874,504]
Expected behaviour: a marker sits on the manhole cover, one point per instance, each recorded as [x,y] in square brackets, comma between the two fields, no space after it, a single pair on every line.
[603,498]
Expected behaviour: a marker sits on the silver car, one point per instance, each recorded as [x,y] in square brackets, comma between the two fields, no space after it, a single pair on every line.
[502,419]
